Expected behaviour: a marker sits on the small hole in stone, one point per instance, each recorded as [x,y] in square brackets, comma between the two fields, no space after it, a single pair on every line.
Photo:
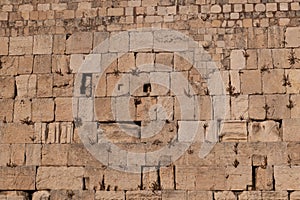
[147,88]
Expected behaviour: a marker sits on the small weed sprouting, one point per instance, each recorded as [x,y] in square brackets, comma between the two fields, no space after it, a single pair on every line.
[286,81]
[116,72]
[246,55]
[27,121]
[236,163]
[155,186]
[290,105]
[292,58]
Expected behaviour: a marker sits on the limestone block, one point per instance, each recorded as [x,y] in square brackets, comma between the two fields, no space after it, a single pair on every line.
[174,195]
[42,64]
[4,154]
[135,195]
[100,38]
[33,154]
[78,155]
[204,110]
[237,59]
[264,60]
[7,85]
[44,85]
[104,109]
[164,108]
[16,133]
[293,78]
[150,178]
[238,178]
[251,61]
[80,42]
[139,84]
[17,178]
[60,64]
[6,110]
[63,85]
[20,45]
[295,110]
[164,61]
[275,36]
[115,11]
[224,195]
[264,178]
[145,61]
[266,131]
[40,195]
[25,64]
[273,81]
[233,131]
[195,195]
[251,82]
[42,44]
[276,152]
[257,38]
[126,63]
[239,107]
[250,195]
[259,160]
[3,45]
[256,107]
[293,157]
[118,85]
[278,106]
[292,38]
[160,83]
[295,195]
[59,178]
[74,194]
[141,41]
[284,173]
[182,64]
[42,109]
[9,65]
[17,154]
[61,132]
[111,195]
[179,83]
[59,43]
[50,152]
[280,58]
[291,130]
[167,177]
[145,110]
[26,85]
[63,109]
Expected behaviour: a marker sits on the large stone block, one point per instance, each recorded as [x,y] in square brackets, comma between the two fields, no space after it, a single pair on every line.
[42,64]
[250,82]
[238,178]
[224,195]
[294,80]
[20,45]
[233,132]
[237,59]
[55,154]
[26,85]
[17,178]
[3,45]
[291,130]
[54,178]
[9,65]
[273,81]
[63,109]
[292,38]
[256,107]
[25,64]
[42,109]
[112,195]
[16,133]
[264,178]
[277,106]
[80,42]
[7,85]
[6,110]
[42,44]
[33,154]
[44,85]
[287,178]
[267,131]
[137,195]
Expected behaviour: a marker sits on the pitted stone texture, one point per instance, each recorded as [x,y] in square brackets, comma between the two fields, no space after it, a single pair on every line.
[292,36]
[267,131]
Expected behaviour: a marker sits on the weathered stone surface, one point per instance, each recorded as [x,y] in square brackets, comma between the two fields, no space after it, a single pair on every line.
[195,195]
[272,81]
[20,45]
[3,45]
[151,195]
[224,195]
[40,195]
[277,106]
[50,154]
[267,131]
[7,85]
[42,44]
[17,178]
[284,173]
[16,133]
[111,195]
[264,178]
[233,132]
[33,154]
[256,107]
[42,109]
[292,37]
[42,64]
[291,129]
[237,59]
[80,42]
[59,178]
[6,107]
[174,195]
[251,82]
[63,109]
[44,85]
[238,178]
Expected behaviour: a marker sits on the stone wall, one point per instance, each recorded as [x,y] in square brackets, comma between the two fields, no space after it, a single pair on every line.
[255,45]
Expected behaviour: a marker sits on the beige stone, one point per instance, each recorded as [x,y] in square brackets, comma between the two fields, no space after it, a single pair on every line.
[59,43]
[233,132]
[111,195]
[78,155]
[59,178]
[295,195]
[160,83]
[164,61]
[264,178]
[251,82]
[257,37]
[54,154]
[63,109]
[6,108]
[26,85]
[251,61]
[293,78]
[267,131]
[291,129]
[195,195]
[126,63]
[20,45]
[273,81]
[275,36]
[277,106]
[33,154]
[25,65]
[115,11]
[17,178]
[270,195]
[7,85]
[238,178]
[280,58]
[80,42]
[42,64]
[237,59]
[22,110]
[224,195]
[63,85]
[292,38]
[5,154]
[3,46]
[135,195]
[42,109]
[61,64]
[118,84]
[44,85]
[181,63]
[42,44]
[239,107]
[17,154]
[250,195]
[9,65]
[17,133]
[174,195]
[76,194]
[41,195]
[264,60]
[283,173]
